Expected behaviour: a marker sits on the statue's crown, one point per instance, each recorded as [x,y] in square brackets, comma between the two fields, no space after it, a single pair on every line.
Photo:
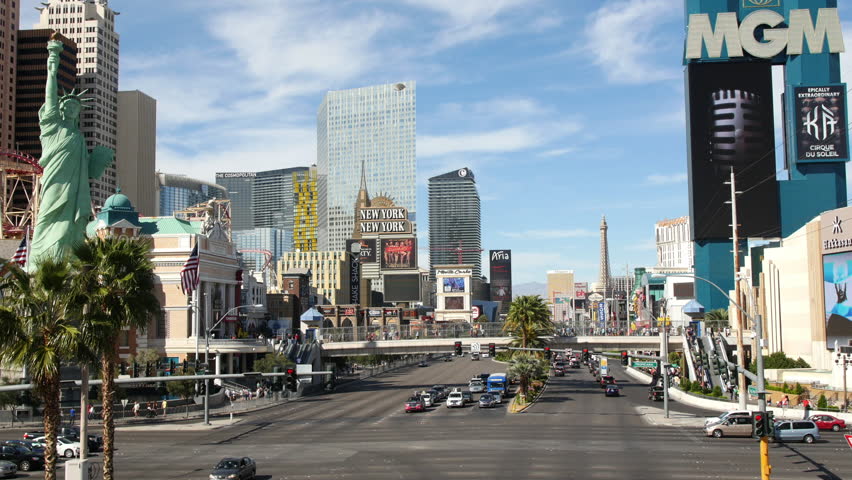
[74,95]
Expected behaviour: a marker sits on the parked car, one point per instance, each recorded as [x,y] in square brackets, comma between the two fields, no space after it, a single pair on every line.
[24,458]
[734,426]
[796,431]
[415,404]
[656,393]
[455,399]
[28,444]
[64,446]
[96,442]
[612,391]
[8,469]
[827,422]
[486,400]
[234,468]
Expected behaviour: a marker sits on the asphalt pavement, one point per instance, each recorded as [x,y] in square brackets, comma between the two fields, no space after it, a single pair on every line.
[362,432]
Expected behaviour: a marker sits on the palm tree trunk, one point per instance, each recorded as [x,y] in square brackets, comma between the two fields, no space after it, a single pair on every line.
[49,390]
[108,397]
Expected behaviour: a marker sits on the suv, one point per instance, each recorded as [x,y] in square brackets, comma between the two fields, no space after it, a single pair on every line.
[801,431]
[721,418]
[455,399]
[95,443]
[733,426]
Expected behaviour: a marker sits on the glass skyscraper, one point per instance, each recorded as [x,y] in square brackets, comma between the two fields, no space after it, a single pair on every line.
[240,186]
[370,126]
[275,240]
[178,192]
[455,221]
[305,217]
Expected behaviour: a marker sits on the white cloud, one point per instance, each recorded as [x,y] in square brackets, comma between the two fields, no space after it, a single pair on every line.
[641,246]
[558,152]
[665,179]
[509,139]
[623,39]
[551,234]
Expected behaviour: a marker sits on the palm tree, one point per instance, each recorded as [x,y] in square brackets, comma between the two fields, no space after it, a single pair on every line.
[116,278]
[39,320]
[525,367]
[528,321]
[717,317]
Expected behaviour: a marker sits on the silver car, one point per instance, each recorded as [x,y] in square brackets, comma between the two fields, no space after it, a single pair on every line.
[8,469]
[476,386]
[427,399]
[487,401]
[796,431]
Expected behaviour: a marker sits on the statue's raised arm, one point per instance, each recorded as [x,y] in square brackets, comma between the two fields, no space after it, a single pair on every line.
[51,93]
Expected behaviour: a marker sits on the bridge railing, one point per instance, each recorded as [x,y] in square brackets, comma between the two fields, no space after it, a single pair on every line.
[375,333]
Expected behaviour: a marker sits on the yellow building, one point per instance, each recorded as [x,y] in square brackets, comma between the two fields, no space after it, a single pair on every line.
[305,210]
[560,291]
[329,273]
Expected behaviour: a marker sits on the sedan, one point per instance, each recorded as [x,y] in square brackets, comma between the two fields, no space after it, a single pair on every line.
[487,401]
[234,468]
[8,469]
[827,422]
[612,391]
[607,380]
[427,399]
[24,458]
[414,405]
[64,447]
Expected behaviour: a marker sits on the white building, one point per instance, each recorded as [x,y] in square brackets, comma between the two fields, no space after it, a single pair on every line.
[91,24]
[674,244]
[373,127]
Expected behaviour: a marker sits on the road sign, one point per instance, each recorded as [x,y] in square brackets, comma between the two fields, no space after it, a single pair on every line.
[644,364]
[123,403]
[595,297]
[474,348]
[752,390]
[604,366]
[848,440]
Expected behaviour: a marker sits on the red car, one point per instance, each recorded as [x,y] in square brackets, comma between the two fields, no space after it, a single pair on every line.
[827,422]
[607,380]
[414,405]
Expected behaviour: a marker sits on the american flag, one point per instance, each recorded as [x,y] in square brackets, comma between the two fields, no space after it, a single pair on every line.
[189,272]
[21,254]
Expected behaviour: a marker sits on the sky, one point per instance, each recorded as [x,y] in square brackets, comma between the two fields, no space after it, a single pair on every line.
[564,110]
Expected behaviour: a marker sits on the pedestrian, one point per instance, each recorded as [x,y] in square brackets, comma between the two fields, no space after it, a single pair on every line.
[136,409]
[165,406]
[785,401]
[807,404]
[71,413]
[91,412]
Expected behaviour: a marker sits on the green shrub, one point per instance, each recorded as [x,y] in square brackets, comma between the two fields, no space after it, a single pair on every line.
[696,387]
[717,391]
[785,388]
[822,403]
[798,389]
[774,388]
[685,384]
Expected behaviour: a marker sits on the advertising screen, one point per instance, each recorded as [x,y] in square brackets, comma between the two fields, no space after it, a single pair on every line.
[399,253]
[501,277]
[820,116]
[837,273]
[454,303]
[368,249]
[454,285]
[731,126]
[402,287]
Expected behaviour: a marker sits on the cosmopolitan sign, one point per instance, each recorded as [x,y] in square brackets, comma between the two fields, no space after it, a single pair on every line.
[739,38]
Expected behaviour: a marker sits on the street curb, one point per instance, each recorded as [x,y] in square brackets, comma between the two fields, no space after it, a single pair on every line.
[527,407]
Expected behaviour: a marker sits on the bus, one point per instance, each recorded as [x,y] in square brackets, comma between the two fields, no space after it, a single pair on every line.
[497,382]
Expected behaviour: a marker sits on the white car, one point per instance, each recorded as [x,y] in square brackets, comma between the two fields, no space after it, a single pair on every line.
[427,399]
[455,399]
[64,447]
[721,418]
[476,386]
[484,354]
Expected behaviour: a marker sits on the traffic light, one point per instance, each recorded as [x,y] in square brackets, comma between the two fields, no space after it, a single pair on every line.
[624,360]
[135,369]
[492,349]
[586,354]
[185,366]
[149,371]
[122,368]
[202,387]
[547,353]
[769,422]
[291,380]
[458,349]
[172,367]
[759,426]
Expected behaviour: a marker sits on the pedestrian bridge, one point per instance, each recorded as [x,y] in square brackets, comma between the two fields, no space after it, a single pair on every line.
[379,346]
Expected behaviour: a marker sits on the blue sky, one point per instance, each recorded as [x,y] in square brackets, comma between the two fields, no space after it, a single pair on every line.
[565,110]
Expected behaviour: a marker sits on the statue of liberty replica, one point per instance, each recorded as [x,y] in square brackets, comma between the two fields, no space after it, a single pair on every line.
[66,203]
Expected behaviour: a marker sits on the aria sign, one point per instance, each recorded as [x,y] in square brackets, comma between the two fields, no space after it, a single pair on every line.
[740,38]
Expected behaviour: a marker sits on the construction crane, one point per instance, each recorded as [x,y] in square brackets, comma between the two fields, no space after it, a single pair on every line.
[265,253]
[460,250]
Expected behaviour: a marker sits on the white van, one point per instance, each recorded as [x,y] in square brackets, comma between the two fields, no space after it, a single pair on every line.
[455,399]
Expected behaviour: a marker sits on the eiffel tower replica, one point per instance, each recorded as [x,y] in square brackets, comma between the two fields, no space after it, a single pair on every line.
[604,283]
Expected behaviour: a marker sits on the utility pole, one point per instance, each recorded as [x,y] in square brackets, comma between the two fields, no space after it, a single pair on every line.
[741,380]
[757,346]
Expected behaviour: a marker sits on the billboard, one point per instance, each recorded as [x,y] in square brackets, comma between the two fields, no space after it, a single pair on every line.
[580,290]
[404,287]
[820,123]
[354,280]
[731,127]
[837,268]
[399,253]
[379,220]
[453,284]
[453,303]
[368,249]
[501,277]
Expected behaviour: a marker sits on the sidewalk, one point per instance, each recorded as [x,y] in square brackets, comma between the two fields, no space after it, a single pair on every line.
[657,416]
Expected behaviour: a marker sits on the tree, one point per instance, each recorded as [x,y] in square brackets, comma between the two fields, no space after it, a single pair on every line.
[39,329]
[717,318]
[143,357]
[116,279]
[9,399]
[268,363]
[525,367]
[528,321]
[185,389]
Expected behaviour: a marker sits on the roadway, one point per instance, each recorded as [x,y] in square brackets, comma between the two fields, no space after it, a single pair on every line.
[362,432]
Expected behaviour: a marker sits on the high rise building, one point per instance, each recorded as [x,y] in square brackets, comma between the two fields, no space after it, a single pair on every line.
[455,224]
[603,285]
[276,241]
[674,244]
[91,25]
[560,291]
[305,210]
[31,81]
[239,186]
[10,13]
[135,157]
[371,126]
[178,192]
[329,273]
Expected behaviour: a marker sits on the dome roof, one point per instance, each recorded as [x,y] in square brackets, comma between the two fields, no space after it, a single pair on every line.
[118,201]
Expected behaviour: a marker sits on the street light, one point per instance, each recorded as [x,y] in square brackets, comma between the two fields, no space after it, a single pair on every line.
[207,357]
